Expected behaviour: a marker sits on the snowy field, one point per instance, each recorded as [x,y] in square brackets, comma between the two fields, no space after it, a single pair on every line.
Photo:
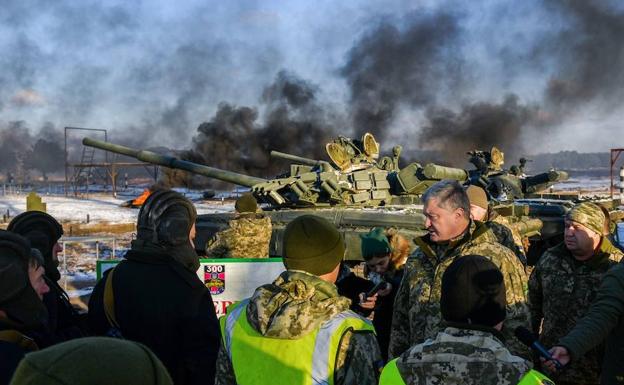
[100,208]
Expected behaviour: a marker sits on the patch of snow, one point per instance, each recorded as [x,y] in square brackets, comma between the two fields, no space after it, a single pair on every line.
[99,208]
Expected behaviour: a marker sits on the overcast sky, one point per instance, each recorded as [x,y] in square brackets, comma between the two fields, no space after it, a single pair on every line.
[163,67]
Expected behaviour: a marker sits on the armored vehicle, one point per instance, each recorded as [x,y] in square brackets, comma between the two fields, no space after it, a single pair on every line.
[358,190]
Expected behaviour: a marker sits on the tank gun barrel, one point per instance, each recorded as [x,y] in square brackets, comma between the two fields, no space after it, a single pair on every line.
[435,171]
[173,162]
[299,159]
[528,227]
[543,181]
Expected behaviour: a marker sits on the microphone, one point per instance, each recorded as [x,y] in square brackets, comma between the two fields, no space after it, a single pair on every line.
[530,340]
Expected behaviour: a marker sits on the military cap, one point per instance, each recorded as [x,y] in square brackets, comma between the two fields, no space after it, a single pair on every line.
[312,244]
[477,196]
[589,215]
[246,204]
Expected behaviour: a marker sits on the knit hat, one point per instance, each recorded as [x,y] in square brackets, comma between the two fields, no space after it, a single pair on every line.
[17,297]
[246,204]
[375,244]
[93,361]
[477,196]
[43,232]
[312,244]
[473,292]
[589,215]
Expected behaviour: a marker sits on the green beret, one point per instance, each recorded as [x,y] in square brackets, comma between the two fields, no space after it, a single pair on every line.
[589,215]
[375,244]
[312,244]
[246,204]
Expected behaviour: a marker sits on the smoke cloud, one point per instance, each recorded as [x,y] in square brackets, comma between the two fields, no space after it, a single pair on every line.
[230,81]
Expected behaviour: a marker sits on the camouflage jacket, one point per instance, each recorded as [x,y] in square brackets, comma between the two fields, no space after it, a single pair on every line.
[417,304]
[507,236]
[561,290]
[297,303]
[462,356]
[248,236]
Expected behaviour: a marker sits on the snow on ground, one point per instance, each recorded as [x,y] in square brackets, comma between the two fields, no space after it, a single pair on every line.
[100,208]
[585,184]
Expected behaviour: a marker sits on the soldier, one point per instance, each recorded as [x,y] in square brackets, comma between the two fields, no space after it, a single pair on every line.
[155,297]
[480,211]
[451,235]
[470,350]
[298,329]
[21,310]
[248,234]
[564,283]
[603,323]
[44,232]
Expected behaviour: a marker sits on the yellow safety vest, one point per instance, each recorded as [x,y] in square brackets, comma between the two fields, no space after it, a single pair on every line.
[391,376]
[309,360]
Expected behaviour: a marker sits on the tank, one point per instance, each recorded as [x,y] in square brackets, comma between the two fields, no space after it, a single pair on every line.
[357,190]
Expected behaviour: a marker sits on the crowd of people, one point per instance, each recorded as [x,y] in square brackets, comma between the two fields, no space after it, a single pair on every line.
[445,308]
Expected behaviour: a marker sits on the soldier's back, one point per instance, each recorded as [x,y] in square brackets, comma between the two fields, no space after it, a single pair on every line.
[461,356]
[247,236]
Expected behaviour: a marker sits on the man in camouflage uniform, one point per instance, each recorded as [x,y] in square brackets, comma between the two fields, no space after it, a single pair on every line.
[564,283]
[470,350]
[480,211]
[451,235]
[247,236]
[267,339]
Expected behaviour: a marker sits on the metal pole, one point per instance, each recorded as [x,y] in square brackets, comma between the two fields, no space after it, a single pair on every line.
[97,249]
[65,264]
[114,249]
[622,183]
[66,162]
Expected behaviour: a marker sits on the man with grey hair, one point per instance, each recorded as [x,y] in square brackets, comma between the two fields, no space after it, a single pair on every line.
[451,235]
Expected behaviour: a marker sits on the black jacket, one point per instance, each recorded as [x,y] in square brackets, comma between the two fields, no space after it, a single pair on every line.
[10,356]
[383,311]
[13,347]
[63,323]
[161,304]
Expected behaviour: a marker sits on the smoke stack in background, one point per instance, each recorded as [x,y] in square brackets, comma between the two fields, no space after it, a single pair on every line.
[438,79]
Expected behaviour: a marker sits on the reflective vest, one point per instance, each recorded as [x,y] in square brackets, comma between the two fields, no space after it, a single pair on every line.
[309,360]
[391,376]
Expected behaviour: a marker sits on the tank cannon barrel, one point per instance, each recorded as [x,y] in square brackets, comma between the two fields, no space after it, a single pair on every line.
[528,227]
[542,181]
[299,159]
[173,162]
[435,171]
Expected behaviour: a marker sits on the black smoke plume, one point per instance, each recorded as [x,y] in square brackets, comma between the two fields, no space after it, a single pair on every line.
[478,126]
[393,66]
[237,139]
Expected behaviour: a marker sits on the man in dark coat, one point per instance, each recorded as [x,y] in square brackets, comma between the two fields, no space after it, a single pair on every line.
[21,310]
[43,232]
[157,298]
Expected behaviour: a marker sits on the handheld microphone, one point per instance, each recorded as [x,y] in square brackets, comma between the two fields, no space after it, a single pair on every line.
[529,339]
